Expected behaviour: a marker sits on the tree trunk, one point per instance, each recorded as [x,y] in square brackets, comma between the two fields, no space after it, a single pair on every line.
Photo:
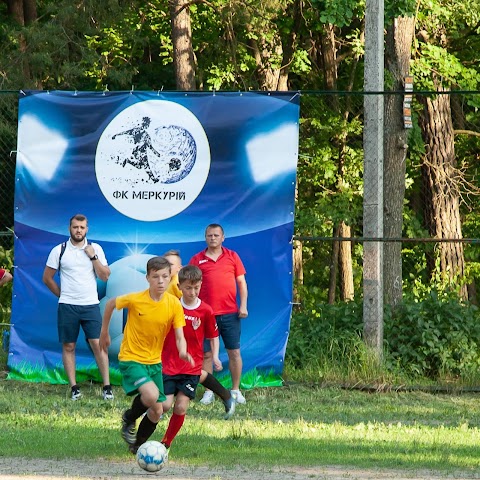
[341,261]
[183,58]
[29,11]
[297,268]
[397,58]
[297,259]
[345,263]
[441,187]
[332,284]
[15,10]
[289,45]
[23,12]
[267,76]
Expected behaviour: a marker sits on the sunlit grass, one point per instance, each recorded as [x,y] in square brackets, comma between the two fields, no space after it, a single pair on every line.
[278,427]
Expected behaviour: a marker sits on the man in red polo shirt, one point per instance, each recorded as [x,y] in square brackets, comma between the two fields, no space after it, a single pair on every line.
[223,272]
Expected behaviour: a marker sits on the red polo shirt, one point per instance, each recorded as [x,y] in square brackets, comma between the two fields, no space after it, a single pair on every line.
[219,285]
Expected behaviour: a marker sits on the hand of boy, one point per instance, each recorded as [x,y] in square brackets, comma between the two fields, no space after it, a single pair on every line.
[217,364]
[188,358]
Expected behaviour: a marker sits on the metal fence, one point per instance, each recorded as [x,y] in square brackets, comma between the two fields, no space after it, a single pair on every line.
[432,145]
[8,142]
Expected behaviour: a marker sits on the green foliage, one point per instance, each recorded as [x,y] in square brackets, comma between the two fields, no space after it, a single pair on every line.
[431,335]
[434,335]
[445,65]
[339,13]
[399,8]
[323,335]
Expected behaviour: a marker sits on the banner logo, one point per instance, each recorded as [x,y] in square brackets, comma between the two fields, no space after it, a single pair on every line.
[152,160]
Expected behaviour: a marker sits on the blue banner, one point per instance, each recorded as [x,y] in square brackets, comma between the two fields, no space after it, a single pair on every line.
[151,171]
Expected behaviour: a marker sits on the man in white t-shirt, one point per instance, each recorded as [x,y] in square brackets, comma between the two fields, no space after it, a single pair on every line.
[79,262]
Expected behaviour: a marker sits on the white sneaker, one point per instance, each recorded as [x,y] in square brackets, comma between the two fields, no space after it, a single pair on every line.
[208,398]
[237,395]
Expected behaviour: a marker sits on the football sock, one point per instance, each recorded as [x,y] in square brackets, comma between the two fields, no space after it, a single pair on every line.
[216,387]
[145,430]
[174,426]
[136,410]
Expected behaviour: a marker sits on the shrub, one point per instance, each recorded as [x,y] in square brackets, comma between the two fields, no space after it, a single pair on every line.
[321,331]
[434,335]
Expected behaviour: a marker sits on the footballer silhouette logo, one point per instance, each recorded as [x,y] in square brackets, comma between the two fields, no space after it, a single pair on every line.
[152,160]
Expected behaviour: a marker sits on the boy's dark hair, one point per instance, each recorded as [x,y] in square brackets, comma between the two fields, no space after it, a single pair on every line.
[158,263]
[79,217]
[189,272]
[214,225]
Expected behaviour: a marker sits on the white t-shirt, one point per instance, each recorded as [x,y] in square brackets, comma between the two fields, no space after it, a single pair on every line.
[78,283]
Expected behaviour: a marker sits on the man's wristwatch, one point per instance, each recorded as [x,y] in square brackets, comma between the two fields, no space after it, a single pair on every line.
[95,257]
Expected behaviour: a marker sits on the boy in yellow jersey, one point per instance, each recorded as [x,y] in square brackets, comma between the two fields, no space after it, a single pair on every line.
[151,314]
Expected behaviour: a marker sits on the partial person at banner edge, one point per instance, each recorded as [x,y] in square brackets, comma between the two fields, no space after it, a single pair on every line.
[5,276]
[223,274]
[79,263]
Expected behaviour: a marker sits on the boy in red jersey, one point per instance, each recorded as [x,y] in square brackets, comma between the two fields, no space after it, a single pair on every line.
[206,378]
[152,314]
[180,379]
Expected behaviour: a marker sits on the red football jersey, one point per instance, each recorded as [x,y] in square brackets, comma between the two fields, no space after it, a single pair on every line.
[200,324]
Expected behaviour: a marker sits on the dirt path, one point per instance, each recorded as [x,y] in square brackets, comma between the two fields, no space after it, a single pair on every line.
[12,469]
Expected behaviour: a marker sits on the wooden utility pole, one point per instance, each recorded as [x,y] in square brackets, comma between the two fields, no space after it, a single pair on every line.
[373,176]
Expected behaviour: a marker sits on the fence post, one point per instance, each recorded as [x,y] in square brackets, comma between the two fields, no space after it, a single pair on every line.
[373,176]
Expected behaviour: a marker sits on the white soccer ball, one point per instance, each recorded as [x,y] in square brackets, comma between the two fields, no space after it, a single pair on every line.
[152,456]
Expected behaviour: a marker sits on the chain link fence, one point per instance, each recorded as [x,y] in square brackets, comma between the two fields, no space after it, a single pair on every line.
[8,145]
[431,191]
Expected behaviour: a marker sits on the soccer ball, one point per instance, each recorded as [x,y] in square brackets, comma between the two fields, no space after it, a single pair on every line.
[152,456]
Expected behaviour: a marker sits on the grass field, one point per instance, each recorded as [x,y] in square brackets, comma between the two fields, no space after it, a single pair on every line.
[293,425]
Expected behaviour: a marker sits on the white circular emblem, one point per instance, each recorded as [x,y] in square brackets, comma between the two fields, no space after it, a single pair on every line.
[152,160]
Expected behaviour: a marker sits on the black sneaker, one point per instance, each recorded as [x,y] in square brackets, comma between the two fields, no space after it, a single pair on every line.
[133,449]
[107,392]
[128,431]
[229,408]
[76,393]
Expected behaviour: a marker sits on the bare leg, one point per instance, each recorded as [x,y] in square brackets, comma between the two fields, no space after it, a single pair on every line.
[207,364]
[235,365]
[68,358]
[101,358]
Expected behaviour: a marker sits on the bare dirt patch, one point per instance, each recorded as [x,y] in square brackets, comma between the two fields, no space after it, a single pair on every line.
[15,469]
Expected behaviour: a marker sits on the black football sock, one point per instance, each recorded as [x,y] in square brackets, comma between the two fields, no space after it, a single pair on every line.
[145,430]
[216,387]
[136,410]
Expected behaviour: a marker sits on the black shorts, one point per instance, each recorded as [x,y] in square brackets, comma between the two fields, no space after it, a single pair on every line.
[187,384]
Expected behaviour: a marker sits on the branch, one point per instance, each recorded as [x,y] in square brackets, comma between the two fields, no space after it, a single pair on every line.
[192,2]
[466,132]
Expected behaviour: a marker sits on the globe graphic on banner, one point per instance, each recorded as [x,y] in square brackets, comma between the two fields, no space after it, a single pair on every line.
[172,155]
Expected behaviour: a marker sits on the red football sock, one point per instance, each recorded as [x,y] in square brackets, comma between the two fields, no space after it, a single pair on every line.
[174,426]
